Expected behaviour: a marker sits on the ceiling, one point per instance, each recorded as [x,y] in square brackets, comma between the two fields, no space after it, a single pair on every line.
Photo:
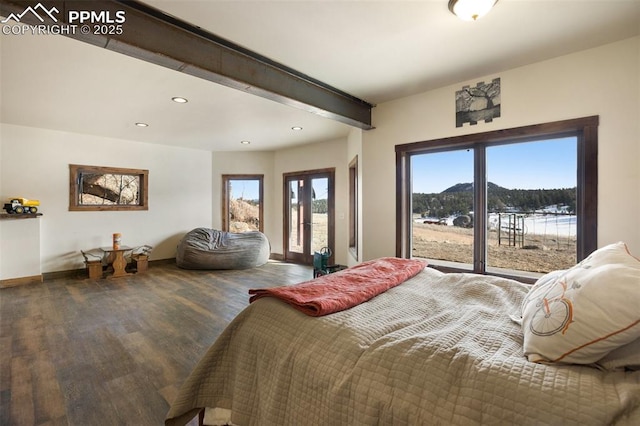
[375,50]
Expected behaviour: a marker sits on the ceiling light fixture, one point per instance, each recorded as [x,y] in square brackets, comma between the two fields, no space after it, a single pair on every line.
[179,100]
[245,142]
[142,125]
[471,10]
[296,128]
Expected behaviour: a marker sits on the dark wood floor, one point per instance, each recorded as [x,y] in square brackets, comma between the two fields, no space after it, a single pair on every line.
[115,352]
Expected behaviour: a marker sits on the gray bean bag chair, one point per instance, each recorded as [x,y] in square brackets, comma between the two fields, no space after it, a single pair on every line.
[204,248]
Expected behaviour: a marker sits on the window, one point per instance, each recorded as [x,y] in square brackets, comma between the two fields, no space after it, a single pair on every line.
[531,205]
[494,202]
[93,188]
[242,203]
[442,192]
[353,207]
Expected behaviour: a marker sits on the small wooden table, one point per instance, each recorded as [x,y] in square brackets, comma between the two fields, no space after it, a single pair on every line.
[116,258]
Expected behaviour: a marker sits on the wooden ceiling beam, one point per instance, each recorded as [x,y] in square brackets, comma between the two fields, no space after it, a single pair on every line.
[156,37]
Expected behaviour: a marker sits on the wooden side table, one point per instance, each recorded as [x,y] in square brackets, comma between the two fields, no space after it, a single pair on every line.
[116,258]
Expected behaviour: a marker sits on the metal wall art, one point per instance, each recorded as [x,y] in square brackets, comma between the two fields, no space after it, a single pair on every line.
[479,103]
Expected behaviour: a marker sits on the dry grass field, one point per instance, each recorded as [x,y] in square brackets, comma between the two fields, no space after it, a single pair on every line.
[320,233]
[245,216]
[539,254]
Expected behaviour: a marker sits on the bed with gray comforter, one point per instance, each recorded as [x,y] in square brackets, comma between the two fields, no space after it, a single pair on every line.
[438,349]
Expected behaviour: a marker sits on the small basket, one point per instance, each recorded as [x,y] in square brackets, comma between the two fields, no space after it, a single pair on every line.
[321,261]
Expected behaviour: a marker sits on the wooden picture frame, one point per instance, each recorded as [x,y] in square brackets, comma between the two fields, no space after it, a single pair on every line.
[95,188]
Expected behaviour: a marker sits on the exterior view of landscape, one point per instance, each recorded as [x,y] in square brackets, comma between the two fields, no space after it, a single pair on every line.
[243,204]
[530,193]
[528,230]
[244,215]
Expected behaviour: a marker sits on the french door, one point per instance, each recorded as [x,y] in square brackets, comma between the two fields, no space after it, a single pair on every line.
[309,214]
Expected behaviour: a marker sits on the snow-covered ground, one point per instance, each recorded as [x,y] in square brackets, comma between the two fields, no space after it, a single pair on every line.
[537,223]
[542,224]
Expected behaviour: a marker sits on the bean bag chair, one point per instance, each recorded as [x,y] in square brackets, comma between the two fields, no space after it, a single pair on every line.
[204,248]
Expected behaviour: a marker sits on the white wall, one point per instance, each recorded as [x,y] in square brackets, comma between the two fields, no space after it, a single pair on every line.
[323,155]
[20,237]
[253,163]
[604,81]
[34,163]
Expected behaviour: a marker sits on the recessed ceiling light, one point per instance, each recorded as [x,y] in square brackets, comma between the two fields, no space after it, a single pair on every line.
[179,100]
[245,142]
[142,125]
[296,128]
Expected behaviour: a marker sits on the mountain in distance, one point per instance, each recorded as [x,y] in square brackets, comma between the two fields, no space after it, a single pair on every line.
[468,187]
[458,199]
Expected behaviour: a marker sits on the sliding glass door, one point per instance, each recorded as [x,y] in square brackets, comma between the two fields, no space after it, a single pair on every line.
[515,202]
[520,217]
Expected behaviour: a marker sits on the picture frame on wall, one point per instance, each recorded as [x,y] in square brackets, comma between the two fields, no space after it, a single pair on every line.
[478,103]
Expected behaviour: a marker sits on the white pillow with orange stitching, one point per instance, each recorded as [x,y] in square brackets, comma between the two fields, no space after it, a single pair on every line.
[580,315]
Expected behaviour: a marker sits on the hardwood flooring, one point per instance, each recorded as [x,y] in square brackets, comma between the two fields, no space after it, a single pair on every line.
[115,351]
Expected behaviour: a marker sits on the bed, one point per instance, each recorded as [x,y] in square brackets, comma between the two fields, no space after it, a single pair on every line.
[431,349]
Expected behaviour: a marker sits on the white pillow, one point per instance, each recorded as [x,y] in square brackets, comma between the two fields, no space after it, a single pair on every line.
[627,356]
[582,314]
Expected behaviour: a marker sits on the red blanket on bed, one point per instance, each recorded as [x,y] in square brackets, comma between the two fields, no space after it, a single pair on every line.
[344,289]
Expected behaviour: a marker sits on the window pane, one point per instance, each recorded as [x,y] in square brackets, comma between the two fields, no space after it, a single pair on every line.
[442,206]
[244,205]
[532,205]
[296,216]
[353,207]
[320,214]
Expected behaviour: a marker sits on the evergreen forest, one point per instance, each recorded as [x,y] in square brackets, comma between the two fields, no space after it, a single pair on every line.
[458,200]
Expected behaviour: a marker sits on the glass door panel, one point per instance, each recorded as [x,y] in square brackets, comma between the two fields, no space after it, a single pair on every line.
[442,206]
[532,220]
[320,214]
[296,216]
[309,221]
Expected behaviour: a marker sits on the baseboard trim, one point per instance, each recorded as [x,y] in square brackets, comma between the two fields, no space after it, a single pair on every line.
[82,273]
[71,273]
[14,282]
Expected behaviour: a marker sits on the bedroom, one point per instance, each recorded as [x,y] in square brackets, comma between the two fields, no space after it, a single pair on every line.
[540,92]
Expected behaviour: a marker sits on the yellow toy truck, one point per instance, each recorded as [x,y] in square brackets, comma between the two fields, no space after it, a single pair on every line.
[21,205]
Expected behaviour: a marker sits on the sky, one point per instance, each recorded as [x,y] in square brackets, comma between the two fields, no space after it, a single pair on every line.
[246,189]
[547,164]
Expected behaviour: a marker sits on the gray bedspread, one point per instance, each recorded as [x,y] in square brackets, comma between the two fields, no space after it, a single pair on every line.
[440,349]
